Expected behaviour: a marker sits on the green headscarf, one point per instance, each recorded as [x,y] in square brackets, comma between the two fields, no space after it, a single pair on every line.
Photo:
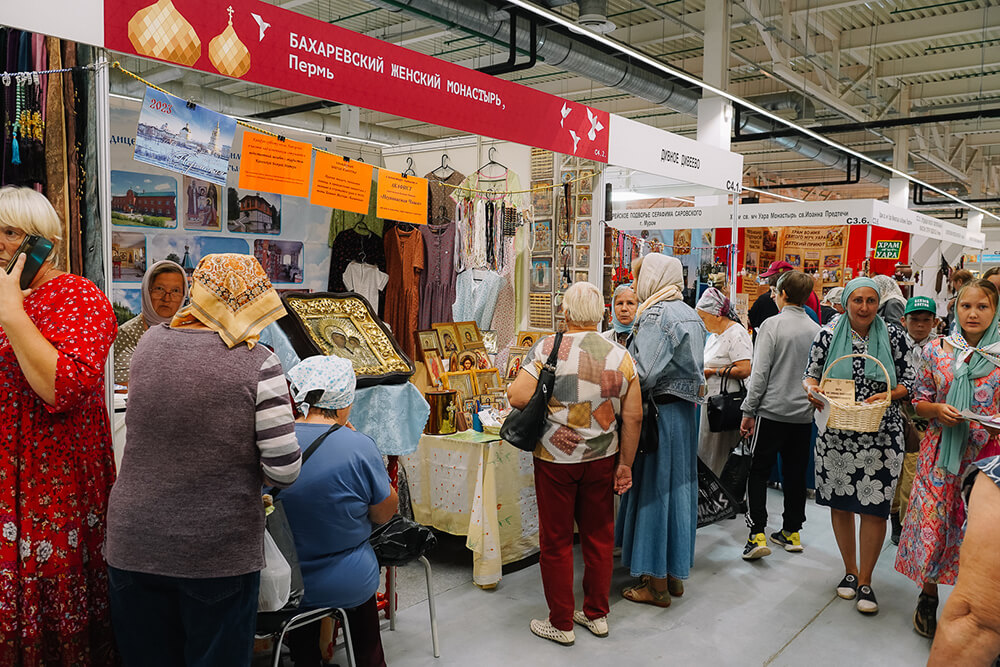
[969,364]
[879,345]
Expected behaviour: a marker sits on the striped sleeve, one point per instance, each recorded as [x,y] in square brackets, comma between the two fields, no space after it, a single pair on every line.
[280,456]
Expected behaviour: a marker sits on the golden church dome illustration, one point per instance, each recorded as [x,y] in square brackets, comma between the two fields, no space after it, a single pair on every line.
[227,53]
[160,31]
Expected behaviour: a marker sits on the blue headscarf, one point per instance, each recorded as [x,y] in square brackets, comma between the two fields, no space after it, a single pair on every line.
[619,327]
[879,345]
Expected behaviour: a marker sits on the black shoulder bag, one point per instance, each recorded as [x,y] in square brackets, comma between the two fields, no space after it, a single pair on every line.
[277,525]
[725,409]
[524,428]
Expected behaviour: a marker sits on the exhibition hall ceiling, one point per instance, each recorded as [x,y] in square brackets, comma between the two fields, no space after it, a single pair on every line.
[819,62]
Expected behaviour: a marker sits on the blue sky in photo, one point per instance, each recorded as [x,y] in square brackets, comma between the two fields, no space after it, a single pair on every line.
[123,181]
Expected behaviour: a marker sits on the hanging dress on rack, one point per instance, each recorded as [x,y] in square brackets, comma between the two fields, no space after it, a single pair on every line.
[440,202]
[437,281]
[404,252]
[350,246]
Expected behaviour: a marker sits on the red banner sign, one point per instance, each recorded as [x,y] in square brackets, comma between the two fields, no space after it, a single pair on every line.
[258,42]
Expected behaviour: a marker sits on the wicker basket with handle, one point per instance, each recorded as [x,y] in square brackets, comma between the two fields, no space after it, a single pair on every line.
[859,417]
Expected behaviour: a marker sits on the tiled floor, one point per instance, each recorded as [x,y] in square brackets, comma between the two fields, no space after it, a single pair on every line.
[781,610]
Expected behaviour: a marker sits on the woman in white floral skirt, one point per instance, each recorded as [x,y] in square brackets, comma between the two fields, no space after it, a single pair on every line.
[856,473]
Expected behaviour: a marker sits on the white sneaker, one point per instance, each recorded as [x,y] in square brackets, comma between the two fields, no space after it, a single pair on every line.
[597,626]
[545,630]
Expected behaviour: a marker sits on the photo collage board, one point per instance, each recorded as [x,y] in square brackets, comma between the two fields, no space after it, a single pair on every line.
[160,214]
[562,233]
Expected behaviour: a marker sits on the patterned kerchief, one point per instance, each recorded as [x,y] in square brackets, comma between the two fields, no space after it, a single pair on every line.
[332,375]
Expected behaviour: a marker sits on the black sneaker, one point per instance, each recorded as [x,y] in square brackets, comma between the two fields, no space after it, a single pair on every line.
[925,616]
[847,589]
[867,604]
[756,547]
[897,528]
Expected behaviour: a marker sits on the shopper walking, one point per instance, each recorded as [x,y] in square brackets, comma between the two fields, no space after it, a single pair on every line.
[778,416]
[658,516]
[624,303]
[920,323]
[56,460]
[575,463]
[209,423]
[962,373]
[857,472]
[727,353]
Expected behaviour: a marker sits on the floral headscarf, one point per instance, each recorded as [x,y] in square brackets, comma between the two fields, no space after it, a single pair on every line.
[332,375]
[714,302]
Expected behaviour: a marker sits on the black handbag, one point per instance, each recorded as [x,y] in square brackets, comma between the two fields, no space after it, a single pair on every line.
[280,530]
[725,409]
[400,540]
[649,436]
[524,428]
[736,472]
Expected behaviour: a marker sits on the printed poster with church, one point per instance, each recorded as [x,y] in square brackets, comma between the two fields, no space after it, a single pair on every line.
[185,138]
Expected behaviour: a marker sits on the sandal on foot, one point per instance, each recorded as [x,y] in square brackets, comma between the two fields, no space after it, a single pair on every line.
[545,630]
[867,604]
[656,598]
[675,587]
[847,589]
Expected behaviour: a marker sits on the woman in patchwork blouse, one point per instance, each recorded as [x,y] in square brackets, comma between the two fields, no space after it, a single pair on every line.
[578,465]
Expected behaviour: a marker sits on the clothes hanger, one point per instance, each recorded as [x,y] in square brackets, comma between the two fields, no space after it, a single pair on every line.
[409,168]
[444,171]
[491,163]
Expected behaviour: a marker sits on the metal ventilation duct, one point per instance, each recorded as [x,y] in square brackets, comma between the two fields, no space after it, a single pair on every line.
[594,15]
[574,55]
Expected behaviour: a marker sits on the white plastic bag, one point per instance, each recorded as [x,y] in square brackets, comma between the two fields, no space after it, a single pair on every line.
[275,578]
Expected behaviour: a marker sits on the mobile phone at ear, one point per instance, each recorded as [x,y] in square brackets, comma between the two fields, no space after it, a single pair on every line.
[37,249]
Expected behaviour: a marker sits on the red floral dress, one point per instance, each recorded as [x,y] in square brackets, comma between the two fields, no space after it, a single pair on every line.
[56,471]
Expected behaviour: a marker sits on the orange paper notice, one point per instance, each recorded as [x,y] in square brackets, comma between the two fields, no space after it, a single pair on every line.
[271,165]
[345,185]
[402,198]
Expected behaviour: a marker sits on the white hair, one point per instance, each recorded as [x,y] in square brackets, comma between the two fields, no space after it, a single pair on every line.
[583,304]
[30,212]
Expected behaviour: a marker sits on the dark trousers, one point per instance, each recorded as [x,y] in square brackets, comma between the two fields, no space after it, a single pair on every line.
[792,441]
[584,492]
[170,621]
[365,638]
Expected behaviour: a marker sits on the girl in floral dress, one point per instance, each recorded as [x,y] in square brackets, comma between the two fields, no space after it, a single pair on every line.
[856,473]
[962,372]
[56,461]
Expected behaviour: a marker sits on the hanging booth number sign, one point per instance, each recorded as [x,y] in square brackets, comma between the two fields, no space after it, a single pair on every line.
[888,249]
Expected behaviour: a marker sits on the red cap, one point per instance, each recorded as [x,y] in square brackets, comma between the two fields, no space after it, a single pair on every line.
[776,268]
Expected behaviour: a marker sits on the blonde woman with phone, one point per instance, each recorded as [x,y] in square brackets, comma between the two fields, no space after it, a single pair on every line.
[56,463]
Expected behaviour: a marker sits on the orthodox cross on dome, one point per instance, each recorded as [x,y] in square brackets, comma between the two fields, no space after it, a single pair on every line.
[230,10]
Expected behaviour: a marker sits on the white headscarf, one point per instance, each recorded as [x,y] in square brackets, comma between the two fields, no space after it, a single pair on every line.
[159,268]
[332,375]
[660,278]
[888,290]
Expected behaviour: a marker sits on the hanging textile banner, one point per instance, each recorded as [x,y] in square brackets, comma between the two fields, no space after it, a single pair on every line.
[261,43]
[189,139]
[820,252]
[270,164]
[341,184]
[402,198]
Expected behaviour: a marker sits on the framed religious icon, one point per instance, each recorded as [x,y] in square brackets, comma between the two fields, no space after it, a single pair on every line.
[482,358]
[468,335]
[541,274]
[448,336]
[584,208]
[514,360]
[490,341]
[582,257]
[435,367]
[462,382]
[586,182]
[581,276]
[428,340]
[343,325]
[543,236]
[583,230]
[487,379]
[467,361]
[526,339]
[541,197]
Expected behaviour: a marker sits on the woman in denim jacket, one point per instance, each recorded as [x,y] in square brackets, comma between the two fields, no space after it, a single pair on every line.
[658,516]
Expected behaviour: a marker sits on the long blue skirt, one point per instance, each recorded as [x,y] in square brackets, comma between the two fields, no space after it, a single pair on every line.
[658,516]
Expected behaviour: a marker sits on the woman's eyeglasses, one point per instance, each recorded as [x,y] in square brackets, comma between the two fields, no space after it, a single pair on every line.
[160,293]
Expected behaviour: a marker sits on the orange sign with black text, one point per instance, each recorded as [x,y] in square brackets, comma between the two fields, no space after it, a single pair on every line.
[342,184]
[402,198]
[268,164]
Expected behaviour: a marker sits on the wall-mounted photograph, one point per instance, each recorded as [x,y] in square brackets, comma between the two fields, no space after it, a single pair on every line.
[143,200]
[250,212]
[128,256]
[202,205]
[282,260]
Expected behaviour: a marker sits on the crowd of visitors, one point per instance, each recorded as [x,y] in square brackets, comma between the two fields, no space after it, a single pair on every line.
[162,565]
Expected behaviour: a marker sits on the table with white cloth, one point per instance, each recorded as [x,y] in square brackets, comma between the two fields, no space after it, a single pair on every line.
[477,485]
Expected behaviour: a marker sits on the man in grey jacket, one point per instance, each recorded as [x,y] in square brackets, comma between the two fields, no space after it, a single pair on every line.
[777,415]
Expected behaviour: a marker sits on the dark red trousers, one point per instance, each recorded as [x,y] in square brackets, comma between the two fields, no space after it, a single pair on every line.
[583,492]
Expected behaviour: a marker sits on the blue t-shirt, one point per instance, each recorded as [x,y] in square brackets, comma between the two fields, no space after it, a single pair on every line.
[327,509]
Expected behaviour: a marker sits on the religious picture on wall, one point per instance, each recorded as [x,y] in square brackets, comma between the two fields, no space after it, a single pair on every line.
[468,335]
[543,236]
[810,264]
[584,206]
[793,259]
[835,237]
[467,361]
[448,336]
[462,382]
[143,200]
[682,242]
[128,256]
[583,230]
[557,303]
[202,202]
[586,182]
[428,341]
[569,177]
[582,276]
[483,360]
[541,275]
[770,240]
[582,257]
[541,197]
[487,379]
[514,359]
[435,367]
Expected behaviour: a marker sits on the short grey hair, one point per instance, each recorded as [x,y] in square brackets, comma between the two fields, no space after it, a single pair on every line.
[583,304]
